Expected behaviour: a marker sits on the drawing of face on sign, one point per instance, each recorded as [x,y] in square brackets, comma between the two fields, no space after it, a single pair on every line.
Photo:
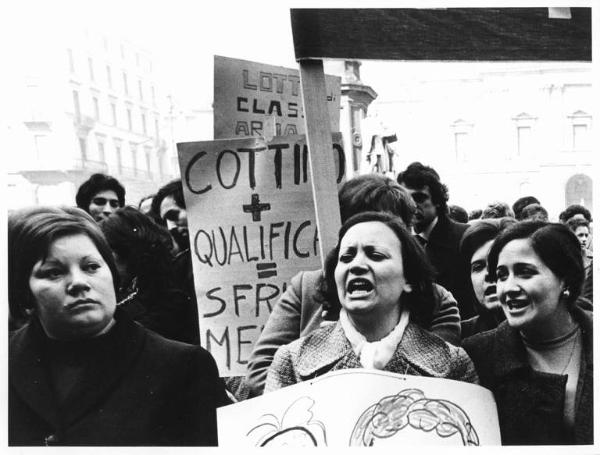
[410,417]
[296,428]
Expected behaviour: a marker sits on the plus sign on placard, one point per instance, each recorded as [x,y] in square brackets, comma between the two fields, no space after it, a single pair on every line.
[255,207]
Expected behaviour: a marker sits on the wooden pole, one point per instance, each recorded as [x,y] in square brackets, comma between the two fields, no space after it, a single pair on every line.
[322,165]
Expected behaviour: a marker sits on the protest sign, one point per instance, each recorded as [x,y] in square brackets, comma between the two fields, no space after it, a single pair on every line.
[386,409]
[252,227]
[254,99]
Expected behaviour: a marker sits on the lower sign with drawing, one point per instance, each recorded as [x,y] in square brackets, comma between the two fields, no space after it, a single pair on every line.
[364,408]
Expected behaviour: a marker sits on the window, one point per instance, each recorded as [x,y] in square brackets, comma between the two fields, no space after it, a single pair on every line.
[113,111]
[460,146]
[524,123]
[144,129]
[133,157]
[156,130]
[129,123]
[71,60]
[83,149]
[91,68]
[109,76]
[581,137]
[161,163]
[125,85]
[581,126]
[41,145]
[101,155]
[76,109]
[96,108]
[523,140]
[462,139]
[119,158]
[147,152]
[140,90]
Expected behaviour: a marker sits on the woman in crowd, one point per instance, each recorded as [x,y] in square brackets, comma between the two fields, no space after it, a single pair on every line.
[380,282]
[538,363]
[581,228]
[148,293]
[300,310]
[474,248]
[81,372]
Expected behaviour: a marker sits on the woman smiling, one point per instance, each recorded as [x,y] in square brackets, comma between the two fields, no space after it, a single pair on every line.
[538,363]
[380,282]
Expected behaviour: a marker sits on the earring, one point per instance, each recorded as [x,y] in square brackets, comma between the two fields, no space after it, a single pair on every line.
[565,293]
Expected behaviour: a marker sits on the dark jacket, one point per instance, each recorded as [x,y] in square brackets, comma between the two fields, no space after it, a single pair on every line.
[137,389]
[485,320]
[442,251]
[168,313]
[531,403]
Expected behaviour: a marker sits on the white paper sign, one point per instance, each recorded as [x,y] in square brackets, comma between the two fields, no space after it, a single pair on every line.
[364,408]
[252,227]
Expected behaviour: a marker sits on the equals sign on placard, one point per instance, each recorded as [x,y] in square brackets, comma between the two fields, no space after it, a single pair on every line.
[266,270]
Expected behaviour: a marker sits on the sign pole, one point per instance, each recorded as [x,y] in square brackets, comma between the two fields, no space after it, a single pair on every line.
[322,166]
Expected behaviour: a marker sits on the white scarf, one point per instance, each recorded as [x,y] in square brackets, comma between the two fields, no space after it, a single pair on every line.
[376,354]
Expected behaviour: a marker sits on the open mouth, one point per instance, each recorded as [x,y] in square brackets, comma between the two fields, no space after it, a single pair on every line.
[359,286]
[516,304]
[490,290]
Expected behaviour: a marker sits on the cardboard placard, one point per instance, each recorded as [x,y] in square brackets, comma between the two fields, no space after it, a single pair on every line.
[255,99]
[386,409]
[252,227]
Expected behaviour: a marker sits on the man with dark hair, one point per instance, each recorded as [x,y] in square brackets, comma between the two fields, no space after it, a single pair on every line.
[521,203]
[168,209]
[168,206]
[439,235]
[100,195]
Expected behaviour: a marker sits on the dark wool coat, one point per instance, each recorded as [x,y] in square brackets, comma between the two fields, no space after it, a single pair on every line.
[140,389]
[530,403]
[451,273]
[327,349]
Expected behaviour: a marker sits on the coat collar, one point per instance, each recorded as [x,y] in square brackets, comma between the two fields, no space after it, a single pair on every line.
[510,353]
[418,353]
[31,380]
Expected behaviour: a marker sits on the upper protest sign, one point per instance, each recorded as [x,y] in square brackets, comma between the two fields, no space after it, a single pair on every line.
[254,99]
[251,218]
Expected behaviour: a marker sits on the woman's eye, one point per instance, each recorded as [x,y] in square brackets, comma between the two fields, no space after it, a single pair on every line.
[477,267]
[51,273]
[92,267]
[377,256]
[501,275]
[345,258]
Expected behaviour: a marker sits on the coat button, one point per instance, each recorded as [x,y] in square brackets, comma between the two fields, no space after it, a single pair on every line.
[51,439]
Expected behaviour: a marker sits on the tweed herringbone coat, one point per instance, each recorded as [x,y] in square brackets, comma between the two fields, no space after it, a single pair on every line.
[419,353]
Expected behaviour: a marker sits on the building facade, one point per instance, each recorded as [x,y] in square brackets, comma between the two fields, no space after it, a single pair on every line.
[500,133]
[87,103]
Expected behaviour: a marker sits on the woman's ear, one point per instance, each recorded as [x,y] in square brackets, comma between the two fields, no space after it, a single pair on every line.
[407,288]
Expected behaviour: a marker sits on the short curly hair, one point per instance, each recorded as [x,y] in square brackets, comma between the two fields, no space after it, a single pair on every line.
[94,185]
[417,175]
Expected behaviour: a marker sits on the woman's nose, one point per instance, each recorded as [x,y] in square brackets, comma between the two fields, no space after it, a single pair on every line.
[358,264]
[78,282]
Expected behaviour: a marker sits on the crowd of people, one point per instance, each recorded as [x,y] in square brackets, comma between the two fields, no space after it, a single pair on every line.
[104,330]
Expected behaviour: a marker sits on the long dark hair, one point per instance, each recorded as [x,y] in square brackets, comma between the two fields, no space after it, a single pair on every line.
[143,245]
[417,270]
